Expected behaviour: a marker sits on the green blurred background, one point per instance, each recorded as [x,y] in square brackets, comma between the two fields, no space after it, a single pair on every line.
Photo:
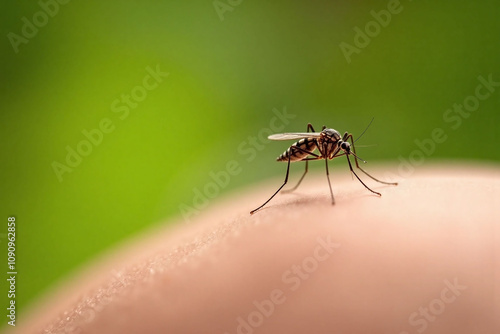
[225,78]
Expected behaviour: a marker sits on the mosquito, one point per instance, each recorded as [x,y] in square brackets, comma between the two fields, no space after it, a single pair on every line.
[329,144]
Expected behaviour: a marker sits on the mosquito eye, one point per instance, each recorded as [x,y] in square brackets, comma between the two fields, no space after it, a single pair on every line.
[343,145]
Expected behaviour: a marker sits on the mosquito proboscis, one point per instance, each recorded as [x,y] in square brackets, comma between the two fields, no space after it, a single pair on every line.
[329,144]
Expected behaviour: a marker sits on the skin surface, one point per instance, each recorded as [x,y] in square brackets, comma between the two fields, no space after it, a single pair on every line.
[421,258]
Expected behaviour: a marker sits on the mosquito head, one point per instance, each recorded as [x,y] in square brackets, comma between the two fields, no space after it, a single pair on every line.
[346,147]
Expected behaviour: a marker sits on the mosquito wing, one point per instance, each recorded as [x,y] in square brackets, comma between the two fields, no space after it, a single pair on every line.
[294,135]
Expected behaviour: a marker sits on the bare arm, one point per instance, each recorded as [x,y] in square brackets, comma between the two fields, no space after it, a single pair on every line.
[422,258]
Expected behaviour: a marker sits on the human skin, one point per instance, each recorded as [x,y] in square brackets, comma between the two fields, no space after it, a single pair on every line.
[423,257]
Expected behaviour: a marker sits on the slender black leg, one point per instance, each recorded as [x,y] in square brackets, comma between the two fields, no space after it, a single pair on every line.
[298,183]
[277,191]
[328,178]
[350,167]
[309,129]
[349,136]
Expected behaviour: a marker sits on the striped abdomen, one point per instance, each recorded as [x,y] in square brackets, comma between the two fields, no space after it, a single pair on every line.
[305,144]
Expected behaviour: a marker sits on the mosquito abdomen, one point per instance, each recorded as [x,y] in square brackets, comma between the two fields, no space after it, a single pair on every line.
[298,150]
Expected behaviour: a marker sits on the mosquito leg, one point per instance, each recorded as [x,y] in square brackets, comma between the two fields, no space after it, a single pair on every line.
[315,157]
[350,167]
[349,136]
[328,178]
[298,183]
[277,191]
[309,129]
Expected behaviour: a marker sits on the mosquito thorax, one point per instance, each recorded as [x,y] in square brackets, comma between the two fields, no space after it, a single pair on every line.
[331,134]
